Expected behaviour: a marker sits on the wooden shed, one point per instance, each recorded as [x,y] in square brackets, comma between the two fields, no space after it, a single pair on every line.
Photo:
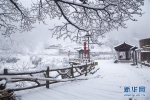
[81,53]
[123,51]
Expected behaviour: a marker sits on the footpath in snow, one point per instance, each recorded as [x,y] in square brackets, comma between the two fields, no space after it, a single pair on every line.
[119,81]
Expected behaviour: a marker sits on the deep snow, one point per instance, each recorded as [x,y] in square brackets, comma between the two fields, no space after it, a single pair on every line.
[108,83]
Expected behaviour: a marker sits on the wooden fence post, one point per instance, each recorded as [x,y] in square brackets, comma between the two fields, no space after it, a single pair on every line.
[72,74]
[5,71]
[86,69]
[91,65]
[47,76]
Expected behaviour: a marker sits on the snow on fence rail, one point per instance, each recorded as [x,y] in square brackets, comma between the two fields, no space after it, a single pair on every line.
[78,60]
[66,74]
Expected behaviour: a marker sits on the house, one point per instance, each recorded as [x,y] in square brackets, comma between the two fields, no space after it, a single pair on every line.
[56,46]
[81,53]
[143,54]
[123,51]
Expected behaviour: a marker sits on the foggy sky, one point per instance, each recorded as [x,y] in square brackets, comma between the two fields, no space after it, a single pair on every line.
[136,30]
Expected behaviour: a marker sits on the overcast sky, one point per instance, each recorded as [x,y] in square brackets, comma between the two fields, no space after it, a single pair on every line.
[136,30]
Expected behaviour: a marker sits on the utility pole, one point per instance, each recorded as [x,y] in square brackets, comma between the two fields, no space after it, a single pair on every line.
[88,40]
[88,56]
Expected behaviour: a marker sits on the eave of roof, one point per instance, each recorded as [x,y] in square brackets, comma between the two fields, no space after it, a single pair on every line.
[123,47]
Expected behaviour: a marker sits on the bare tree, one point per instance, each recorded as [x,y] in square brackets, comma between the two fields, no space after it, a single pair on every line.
[95,17]
[14,17]
[112,43]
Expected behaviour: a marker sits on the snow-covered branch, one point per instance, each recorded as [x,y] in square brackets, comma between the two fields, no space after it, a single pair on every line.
[94,17]
[14,17]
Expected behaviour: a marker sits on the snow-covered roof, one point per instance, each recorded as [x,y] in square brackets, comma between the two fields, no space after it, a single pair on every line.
[145,51]
[123,47]
[146,46]
[102,48]
[133,48]
[123,43]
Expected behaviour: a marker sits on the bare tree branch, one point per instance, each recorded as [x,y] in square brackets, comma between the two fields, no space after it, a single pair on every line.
[14,17]
[80,16]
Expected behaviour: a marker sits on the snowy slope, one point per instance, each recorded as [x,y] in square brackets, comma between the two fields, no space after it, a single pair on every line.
[107,84]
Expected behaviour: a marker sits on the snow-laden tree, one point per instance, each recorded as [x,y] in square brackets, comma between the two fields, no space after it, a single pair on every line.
[95,17]
[14,17]
[112,43]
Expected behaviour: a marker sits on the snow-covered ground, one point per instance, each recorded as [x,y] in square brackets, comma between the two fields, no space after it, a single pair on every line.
[25,62]
[111,82]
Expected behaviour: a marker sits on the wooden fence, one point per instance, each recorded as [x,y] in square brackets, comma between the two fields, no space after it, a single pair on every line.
[78,61]
[67,74]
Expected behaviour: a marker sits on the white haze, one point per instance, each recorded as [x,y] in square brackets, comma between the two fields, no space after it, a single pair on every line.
[41,33]
[135,30]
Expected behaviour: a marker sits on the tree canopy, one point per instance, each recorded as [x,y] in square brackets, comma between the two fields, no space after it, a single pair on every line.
[95,17]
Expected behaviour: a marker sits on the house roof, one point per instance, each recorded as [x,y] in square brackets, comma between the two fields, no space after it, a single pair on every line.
[133,48]
[123,47]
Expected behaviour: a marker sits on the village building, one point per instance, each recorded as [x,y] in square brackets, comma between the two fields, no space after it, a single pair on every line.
[82,55]
[123,51]
[143,54]
[134,55]
[137,55]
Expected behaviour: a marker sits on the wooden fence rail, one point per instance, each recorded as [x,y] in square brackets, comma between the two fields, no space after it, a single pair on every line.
[76,61]
[65,74]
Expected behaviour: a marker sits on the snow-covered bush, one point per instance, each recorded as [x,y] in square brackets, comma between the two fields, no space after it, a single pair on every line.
[34,63]
[8,59]
[65,62]
[35,60]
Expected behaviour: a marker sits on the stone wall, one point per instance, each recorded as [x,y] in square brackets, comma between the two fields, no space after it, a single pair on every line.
[145,54]
[144,42]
